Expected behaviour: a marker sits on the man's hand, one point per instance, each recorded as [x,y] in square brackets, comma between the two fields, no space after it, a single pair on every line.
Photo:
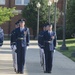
[53,37]
[42,50]
[27,47]
[13,47]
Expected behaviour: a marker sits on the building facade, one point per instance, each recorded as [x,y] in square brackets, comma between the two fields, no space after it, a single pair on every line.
[19,4]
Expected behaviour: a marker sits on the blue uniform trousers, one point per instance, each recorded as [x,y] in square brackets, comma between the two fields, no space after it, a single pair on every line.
[48,58]
[21,51]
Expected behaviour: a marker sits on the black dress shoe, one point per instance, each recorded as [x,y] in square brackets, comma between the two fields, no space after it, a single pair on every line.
[15,70]
[47,71]
[20,72]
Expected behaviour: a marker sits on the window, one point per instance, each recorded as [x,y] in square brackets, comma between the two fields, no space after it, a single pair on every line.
[2,2]
[26,2]
[21,2]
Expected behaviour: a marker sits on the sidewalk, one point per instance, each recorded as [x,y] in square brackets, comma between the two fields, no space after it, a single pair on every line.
[61,64]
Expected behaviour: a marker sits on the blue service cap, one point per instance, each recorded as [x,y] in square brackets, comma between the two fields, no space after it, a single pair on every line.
[47,24]
[22,20]
[51,24]
[44,25]
[17,23]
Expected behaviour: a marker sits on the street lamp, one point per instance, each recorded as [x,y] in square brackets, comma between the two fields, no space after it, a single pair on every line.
[55,1]
[38,7]
[63,47]
[49,4]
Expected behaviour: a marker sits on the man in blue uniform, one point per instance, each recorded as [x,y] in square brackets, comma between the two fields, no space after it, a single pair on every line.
[1,36]
[22,37]
[40,43]
[12,43]
[49,45]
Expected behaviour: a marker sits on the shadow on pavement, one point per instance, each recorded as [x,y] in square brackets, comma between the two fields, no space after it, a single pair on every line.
[33,67]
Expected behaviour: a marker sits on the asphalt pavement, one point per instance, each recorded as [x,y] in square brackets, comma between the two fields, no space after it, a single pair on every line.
[61,64]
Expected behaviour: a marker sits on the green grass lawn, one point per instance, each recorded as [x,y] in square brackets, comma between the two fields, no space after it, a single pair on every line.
[70,43]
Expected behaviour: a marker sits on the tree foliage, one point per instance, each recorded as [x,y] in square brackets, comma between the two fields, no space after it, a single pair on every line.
[6,13]
[70,17]
[30,13]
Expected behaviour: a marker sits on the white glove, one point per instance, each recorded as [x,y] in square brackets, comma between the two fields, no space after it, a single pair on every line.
[54,50]
[27,47]
[14,48]
[42,50]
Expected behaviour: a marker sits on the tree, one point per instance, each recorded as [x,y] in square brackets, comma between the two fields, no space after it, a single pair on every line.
[6,13]
[70,17]
[30,13]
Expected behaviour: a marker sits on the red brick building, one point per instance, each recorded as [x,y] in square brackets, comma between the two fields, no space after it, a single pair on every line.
[19,4]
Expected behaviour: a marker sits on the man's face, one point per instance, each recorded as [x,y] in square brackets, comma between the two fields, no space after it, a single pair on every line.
[47,27]
[50,28]
[22,24]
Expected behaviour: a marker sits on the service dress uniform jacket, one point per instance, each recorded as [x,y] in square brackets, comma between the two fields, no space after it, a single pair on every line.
[12,39]
[22,41]
[40,39]
[49,45]
[40,43]
[14,54]
[1,36]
